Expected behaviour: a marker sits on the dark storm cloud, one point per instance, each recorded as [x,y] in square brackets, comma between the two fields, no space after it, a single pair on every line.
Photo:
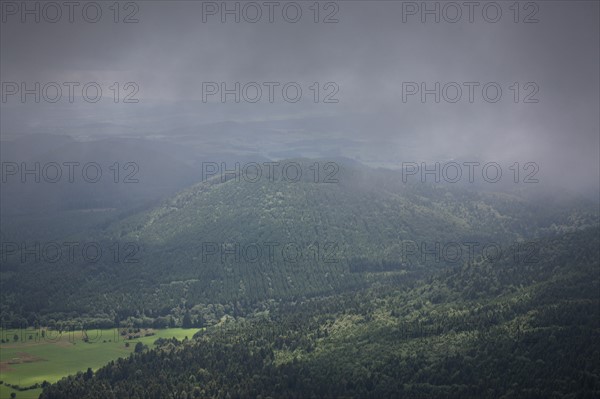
[369,53]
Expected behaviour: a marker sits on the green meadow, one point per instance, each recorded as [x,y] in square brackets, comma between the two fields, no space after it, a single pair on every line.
[31,358]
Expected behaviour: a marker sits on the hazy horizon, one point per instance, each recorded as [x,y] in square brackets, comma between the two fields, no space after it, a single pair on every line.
[366,54]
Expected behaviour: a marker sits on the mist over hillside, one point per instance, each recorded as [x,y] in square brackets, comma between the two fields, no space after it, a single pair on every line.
[299,199]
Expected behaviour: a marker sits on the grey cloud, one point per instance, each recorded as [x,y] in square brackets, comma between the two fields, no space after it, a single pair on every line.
[369,53]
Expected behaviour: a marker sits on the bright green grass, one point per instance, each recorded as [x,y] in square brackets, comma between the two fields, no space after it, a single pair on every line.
[56,356]
[29,394]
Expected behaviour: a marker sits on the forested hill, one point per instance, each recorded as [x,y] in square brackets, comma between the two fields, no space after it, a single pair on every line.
[239,241]
[477,331]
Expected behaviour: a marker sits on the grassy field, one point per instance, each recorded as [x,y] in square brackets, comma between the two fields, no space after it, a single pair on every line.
[31,358]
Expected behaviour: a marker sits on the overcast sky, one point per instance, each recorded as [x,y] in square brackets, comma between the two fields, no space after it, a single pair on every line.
[367,55]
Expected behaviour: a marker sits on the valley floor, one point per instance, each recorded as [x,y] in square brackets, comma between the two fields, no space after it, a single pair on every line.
[32,359]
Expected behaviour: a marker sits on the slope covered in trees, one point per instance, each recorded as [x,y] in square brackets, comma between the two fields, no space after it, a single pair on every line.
[477,330]
[229,246]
